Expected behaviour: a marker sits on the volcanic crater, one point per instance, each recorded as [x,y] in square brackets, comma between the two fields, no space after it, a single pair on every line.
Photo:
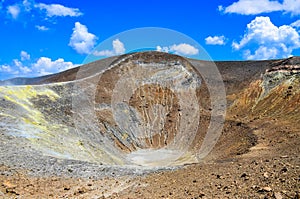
[133,122]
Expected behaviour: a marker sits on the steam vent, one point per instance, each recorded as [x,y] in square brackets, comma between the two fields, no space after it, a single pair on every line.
[138,109]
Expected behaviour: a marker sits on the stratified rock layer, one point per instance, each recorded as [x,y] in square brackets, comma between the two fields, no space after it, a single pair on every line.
[275,95]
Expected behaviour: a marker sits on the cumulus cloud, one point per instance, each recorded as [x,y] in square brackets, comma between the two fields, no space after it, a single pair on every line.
[220,8]
[268,40]
[254,7]
[292,6]
[262,53]
[162,49]
[22,10]
[6,69]
[184,49]
[58,10]
[24,70]
[296,24]
[16,68]
[215,40]
[180,49]
[24,55]
[81,40]
[45,66]
[17,63]
[118,49]
[20,68]
[42,66]
[27,5]
[41,28]
[14,11]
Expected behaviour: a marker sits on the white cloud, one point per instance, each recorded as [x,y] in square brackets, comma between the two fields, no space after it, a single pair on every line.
[262,53]
[184,49]
[17,68]
[162,49]
[20,68]
[14,11]
[45,66]
[118,49]
[26,9]
[24,55]
[25,70]
[6,69]
[58,10]
[17,63]
[41,28]
[220,8]
[253,7]
[81,40]
[268,40]
[27,5]
[296,24]
[180,49]
[215,40]
[292,6]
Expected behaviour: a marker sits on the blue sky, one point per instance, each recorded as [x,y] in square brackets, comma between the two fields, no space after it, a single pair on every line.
[40,37]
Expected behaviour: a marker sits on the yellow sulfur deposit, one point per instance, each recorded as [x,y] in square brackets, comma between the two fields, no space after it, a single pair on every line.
[22,95]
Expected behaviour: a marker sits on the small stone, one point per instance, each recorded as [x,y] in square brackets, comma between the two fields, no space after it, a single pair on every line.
[264,189]
[81,191]
[267,189]
[278,195]
[239,124]
[9,185]
[253,187]
[201,194]
[243,175]
[266,175]
[70,170]
[284,169]
[284,156]
[12,191]
[282,179]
